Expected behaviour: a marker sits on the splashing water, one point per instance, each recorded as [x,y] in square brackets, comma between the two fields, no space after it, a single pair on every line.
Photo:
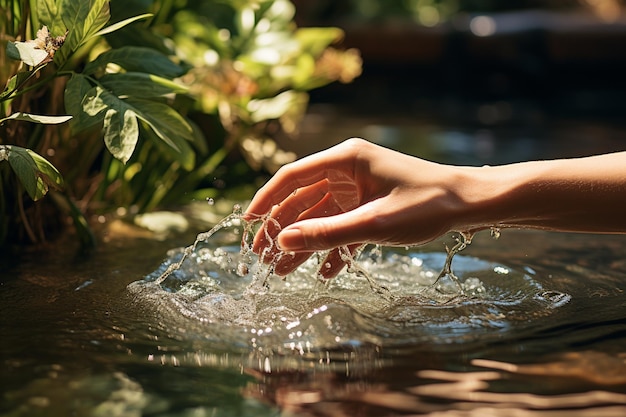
[218,290]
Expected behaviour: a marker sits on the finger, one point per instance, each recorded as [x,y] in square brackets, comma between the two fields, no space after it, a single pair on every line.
[362,225]
[326,207]
[300,202]
[286,213]
[305,172]
[335,262]
[290,261]
[264,243]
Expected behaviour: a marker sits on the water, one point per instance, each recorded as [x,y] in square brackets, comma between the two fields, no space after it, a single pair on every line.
[395,299]
[539,329]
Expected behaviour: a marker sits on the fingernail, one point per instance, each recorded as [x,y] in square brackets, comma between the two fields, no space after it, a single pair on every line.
[291,239]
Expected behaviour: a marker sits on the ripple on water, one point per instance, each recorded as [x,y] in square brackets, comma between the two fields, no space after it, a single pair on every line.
[217,294]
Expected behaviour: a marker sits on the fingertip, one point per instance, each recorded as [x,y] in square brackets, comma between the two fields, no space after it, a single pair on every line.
[331,268]
[289,262]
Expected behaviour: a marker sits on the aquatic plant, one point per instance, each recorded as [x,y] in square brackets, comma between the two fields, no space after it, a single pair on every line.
[140,106]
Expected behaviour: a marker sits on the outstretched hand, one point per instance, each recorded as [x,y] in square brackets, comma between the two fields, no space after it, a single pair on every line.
[348,195]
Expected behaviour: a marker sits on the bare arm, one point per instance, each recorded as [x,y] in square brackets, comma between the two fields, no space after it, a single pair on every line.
[358,192]
[579,194]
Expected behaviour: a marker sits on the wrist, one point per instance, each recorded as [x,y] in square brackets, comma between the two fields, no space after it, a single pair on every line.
[496,196]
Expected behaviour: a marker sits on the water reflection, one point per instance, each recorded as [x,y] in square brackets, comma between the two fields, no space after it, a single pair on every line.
[443,393]
[546,337]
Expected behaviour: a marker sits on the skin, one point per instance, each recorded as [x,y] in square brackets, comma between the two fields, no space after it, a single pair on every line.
[358,192]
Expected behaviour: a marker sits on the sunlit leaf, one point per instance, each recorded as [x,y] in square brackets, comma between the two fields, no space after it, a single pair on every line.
[246,20]
[49,13]
[272,108]
[168,125]
[82,18]
[36,118]
[120,127]
[140,84]
[46,170]
[34,172]
[93,103]
[121,131]
[119,25]
[136,59]
[78,90]
[97,18]
[280,10]
[315,40]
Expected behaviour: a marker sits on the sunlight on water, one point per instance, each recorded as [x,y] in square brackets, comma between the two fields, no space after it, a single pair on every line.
[217,291]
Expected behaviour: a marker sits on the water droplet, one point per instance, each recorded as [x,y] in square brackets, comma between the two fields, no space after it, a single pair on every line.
[495,232]
[210,201]
[242,269]
[237,209]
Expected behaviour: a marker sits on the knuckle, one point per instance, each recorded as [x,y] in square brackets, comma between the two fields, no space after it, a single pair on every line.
[355,145]
[323,236]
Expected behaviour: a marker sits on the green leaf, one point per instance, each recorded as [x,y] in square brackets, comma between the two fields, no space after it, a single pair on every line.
[12,52]
[136,59]
[120,127]
[121,131]
[49,14]
[77,90]
[14,83]
[97,18]
[168,125]
[34,172]
[140,84]
[36,118]
[46,170]
[272,108]
[93,103]
[315,40]
[83,19]
[184,155]
[121,24]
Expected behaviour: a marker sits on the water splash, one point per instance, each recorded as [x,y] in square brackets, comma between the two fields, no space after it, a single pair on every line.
[217,289]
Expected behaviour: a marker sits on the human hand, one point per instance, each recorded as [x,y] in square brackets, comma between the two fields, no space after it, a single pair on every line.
[353,193]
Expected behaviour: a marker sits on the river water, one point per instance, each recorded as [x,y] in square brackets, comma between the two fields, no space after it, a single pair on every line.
[537,327]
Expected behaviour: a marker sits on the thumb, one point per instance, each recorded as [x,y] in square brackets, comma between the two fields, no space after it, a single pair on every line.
[323,233]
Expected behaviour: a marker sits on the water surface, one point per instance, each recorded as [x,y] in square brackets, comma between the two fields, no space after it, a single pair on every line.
[539,330]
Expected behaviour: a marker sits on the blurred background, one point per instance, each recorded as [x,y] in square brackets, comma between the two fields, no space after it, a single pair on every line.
[477,81]
[217,95]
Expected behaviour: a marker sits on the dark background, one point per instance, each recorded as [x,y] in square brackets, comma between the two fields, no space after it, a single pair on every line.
[547,81]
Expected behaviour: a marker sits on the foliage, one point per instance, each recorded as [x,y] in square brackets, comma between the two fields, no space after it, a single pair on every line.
[249,70]
[103,110]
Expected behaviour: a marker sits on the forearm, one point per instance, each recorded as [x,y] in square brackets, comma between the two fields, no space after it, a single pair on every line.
[580,194]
